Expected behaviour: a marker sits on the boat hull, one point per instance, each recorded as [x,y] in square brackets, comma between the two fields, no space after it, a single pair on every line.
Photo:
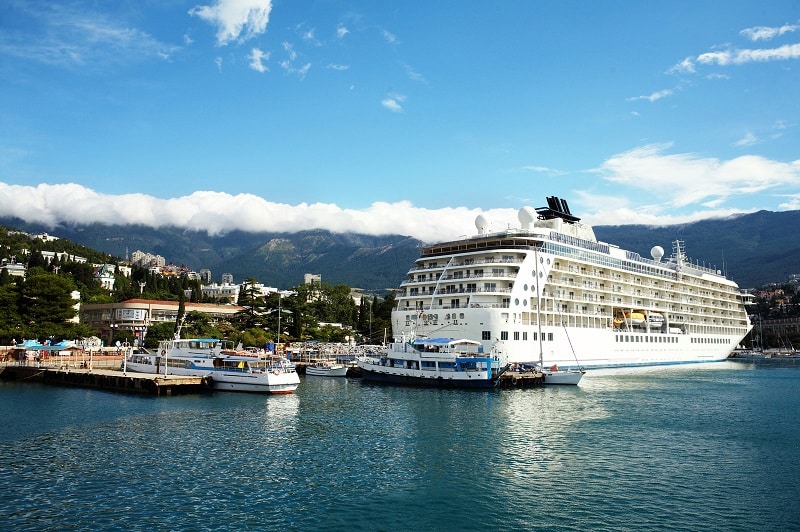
[571,378]
[338,371]
[385,377]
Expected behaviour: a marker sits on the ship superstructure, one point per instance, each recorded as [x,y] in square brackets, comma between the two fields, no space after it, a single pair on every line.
[550,292]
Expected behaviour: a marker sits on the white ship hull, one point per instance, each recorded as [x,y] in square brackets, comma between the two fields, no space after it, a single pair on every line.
[549,292]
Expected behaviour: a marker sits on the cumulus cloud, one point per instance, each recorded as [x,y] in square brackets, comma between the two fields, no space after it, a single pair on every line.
[341,31]
[683,179]
[219,213]
[236,20]
[650,187]
[393,102]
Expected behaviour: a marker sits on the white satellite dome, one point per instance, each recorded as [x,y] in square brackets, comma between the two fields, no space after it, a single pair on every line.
[526,216]
[657,252]
[482,224]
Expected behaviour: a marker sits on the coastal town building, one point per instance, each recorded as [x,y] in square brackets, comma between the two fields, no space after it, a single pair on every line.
[221,293]
[140,258]
[227,278]
[312,278]
[14,268]
[104,275]
[136,315]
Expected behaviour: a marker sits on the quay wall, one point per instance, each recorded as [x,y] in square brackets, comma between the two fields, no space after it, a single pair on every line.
[112,381]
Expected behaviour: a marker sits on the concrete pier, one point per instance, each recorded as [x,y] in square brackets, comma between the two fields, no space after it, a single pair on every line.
[520,379]
[108,380]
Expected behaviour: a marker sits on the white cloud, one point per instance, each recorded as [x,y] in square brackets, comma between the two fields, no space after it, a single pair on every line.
[685,66]
[288,64]
[257,58]
[740,57]
[654,96]
[390,37]
[236,20]
[675,180]
[341,31]
[684,179]
[393,102]
[748,140]
[764,33]
[219,213]
[71,36]
[413,75]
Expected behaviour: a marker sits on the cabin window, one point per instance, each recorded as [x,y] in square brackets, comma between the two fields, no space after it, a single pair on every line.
[486,335]
[504,335]
[516,335]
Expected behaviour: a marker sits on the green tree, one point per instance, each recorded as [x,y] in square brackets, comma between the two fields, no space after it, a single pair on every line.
[11,325]
[46,303]
[160,331]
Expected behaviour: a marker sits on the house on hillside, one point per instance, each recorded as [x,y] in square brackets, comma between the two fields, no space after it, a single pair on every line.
[104,275]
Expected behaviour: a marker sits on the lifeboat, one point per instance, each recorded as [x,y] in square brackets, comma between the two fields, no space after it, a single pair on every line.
[631,319]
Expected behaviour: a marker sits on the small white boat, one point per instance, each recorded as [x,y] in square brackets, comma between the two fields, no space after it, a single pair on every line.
[230,372]
[326,368]
[557,376]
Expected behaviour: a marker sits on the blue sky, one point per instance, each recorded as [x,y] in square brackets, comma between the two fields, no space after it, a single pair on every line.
[396,117]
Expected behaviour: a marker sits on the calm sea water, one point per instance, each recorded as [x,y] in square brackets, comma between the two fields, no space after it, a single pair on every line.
[680,448]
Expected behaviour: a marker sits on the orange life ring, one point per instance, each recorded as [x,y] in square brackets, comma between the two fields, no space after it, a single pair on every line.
[275,372]
[163,352]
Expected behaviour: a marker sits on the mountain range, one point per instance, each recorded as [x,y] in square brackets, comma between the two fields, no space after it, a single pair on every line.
[752,249]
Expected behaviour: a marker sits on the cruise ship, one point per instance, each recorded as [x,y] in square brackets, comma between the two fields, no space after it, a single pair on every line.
[549,292]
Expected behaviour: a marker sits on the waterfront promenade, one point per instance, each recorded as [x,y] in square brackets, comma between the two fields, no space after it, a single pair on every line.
[93,370]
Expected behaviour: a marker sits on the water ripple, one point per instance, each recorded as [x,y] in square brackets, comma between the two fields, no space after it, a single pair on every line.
[658,449]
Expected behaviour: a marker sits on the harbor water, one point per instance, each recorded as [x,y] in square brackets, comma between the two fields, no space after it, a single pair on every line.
[698,447]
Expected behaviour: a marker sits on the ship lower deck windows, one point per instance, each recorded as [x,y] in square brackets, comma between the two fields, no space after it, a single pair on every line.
[486,335]
[634,338]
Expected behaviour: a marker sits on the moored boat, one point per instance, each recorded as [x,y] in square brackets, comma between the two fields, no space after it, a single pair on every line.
[228,372]
[555,375]
[326,368]
[440,362]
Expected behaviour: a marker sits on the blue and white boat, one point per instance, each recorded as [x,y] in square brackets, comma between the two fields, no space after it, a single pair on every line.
[441,362]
